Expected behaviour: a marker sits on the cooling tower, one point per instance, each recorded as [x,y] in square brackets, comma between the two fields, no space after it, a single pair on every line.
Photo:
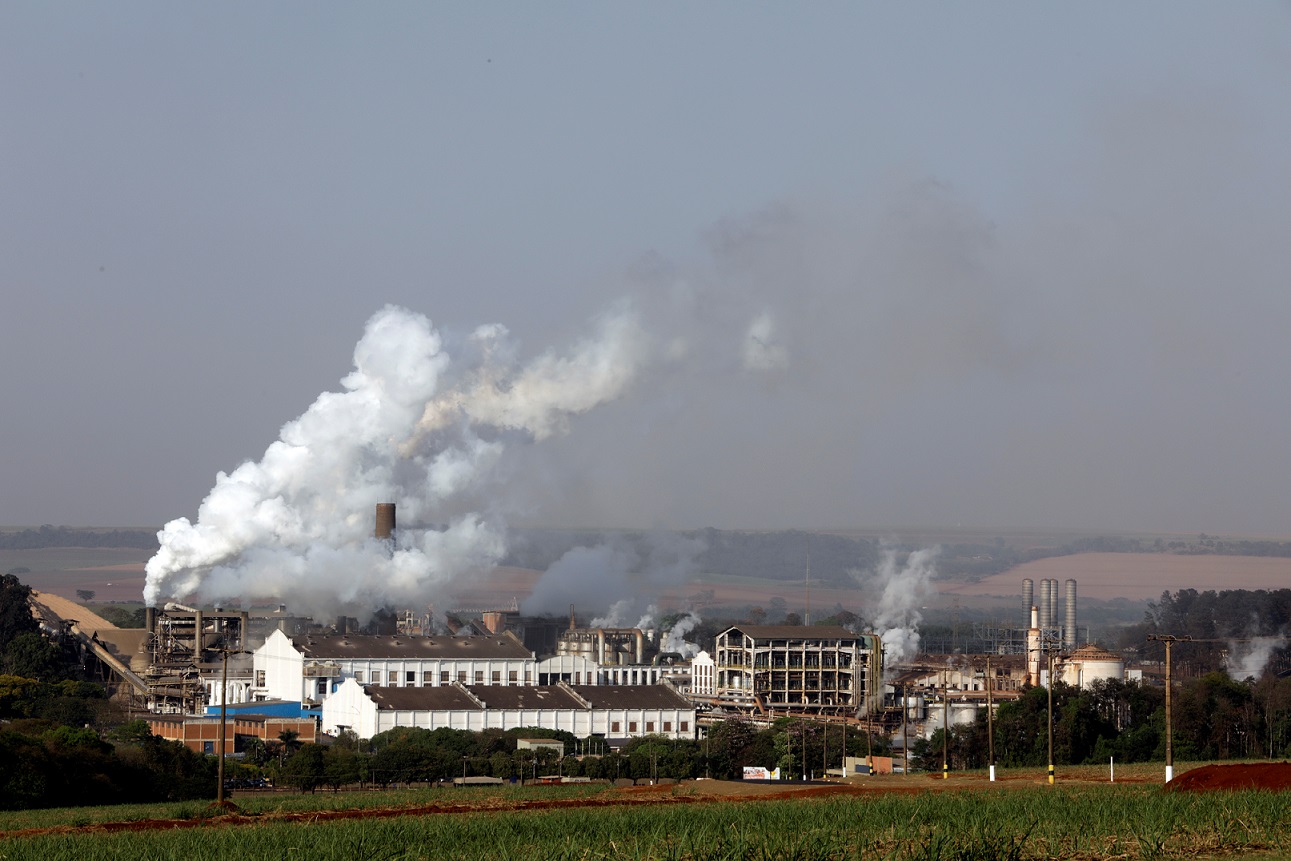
[1043,603]
[1028,599]
[1069,626]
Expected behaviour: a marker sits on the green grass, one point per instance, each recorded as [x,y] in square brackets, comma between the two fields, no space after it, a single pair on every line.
[1133,822]
[265,803]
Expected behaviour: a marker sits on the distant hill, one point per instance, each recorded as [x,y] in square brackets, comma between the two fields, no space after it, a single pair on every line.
[66,536]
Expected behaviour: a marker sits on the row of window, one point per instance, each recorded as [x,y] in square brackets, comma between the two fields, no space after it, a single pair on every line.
[409,677]
[617,726]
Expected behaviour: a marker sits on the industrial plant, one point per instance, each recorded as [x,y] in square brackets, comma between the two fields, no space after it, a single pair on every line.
[500,669]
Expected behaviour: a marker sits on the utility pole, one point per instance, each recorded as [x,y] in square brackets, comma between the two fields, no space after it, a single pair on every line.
[1169,640]
[869,744]
[905,730]
[945,727]
[1050,656]
[224,715]
[990,721]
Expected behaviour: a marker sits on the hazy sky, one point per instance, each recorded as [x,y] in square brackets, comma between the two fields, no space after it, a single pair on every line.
[989,264]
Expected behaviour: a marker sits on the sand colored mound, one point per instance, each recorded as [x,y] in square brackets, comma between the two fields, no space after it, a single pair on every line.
[1261,775]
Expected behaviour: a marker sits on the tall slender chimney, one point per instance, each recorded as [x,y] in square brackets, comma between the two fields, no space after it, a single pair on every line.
[385,520]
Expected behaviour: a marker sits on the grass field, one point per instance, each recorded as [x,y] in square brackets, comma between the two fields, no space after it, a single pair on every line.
[969,819]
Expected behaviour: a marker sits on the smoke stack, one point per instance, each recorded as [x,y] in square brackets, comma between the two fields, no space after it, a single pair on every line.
[1033,647]
[385,520]
[1028,598]
[1069,629]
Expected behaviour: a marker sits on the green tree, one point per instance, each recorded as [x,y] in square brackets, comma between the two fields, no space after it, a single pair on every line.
[32,656]
[256,751]
[344,765]
[306,769]
[15,610]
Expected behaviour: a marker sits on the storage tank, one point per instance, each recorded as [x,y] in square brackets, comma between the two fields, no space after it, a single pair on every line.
[1069,625]
[1089,664]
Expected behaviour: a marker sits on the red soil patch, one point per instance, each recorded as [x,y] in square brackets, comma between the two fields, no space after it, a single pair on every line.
[699,792]
[1261,775]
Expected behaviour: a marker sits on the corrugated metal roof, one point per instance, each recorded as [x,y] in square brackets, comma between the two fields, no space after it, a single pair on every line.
[631,696]
[517,697]
[514,697]
[444,698]
[337,647]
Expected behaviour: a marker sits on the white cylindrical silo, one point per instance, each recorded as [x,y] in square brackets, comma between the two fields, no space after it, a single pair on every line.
[1069,626]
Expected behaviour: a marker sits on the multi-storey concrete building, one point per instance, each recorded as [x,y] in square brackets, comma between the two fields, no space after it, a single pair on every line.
[820,669]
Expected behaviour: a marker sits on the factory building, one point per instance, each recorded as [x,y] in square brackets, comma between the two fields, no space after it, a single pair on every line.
[578,670]
[613,712]
[202,733]
[310,668]
[816,669]
[703,675]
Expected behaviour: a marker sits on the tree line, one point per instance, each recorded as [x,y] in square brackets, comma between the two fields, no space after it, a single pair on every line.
[1214,718]
[1225,627]
[65,536]
[408,755]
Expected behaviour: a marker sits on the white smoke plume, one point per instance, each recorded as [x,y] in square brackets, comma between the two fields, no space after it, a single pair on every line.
[624,574]
[1248,658]
[674,640]
[617,616]
[762,350]
[416,423]
[894,593]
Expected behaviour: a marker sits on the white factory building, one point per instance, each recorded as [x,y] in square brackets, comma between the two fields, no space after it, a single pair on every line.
[611,711]
[310,668]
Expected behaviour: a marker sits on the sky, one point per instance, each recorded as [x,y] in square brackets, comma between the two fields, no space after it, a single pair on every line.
[989,265]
